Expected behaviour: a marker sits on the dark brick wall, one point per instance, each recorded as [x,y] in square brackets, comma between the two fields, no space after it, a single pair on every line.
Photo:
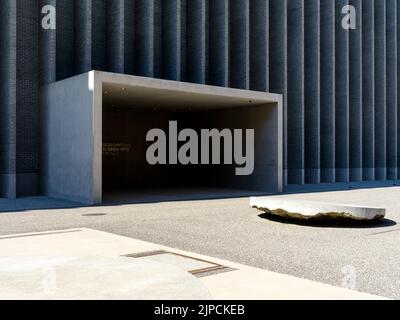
[7,96]
[65,39]
[27,164]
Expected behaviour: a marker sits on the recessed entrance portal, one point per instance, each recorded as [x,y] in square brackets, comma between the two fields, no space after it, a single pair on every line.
[123,111]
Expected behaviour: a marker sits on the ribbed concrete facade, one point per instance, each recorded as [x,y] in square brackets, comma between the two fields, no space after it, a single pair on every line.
[340,86]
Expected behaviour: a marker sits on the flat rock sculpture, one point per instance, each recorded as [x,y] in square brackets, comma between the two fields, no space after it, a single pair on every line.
[302,210]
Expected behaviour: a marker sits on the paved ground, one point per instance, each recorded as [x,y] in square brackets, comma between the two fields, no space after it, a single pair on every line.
[229,229]
[160,272]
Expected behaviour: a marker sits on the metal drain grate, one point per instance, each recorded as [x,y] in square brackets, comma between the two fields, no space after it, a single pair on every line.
[197,267]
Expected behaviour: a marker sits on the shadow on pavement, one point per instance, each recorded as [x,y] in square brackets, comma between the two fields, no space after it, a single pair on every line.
[36,203]
[331,223]
[128,197]
[153,196]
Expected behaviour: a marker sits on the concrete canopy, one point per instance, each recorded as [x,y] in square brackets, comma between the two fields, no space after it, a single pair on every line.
[72,131]
[148,92]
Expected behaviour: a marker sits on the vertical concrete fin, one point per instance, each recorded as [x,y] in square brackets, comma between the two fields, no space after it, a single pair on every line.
[116,35]
[148,44]
[129,36]
[239,44]
[173,12]
[295,98]
[259,45]
[157,42]
[47,75]
[144,26]
[278,62]
[197,39]
[219,43]
[355,85]
[47,49]
[380,89]
[120,36]
[99,35]
[65,45]
[8,100]
[27,165]
[184,34]
[391,76]
[83,35]
[368,90]
[90,35]
[312,91]
[342,95]
[398,91]
[328,91]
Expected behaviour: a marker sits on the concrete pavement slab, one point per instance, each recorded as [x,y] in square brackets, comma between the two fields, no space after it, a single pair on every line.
[95,278]
[236,281]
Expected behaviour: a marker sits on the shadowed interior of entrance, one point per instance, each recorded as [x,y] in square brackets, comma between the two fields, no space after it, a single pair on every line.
[129,114]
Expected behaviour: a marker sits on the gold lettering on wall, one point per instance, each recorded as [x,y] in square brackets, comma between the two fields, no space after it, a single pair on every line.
[116,149]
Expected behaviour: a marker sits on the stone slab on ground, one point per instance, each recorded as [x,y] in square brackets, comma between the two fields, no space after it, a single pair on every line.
[315,210]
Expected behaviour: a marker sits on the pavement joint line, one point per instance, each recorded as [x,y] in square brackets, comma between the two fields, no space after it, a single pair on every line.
[199,272]
[39,234]
[383,232]
[146,254]
[215,272]
[162,252]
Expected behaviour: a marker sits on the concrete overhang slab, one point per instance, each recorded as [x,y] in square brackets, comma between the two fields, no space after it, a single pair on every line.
[141,92]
